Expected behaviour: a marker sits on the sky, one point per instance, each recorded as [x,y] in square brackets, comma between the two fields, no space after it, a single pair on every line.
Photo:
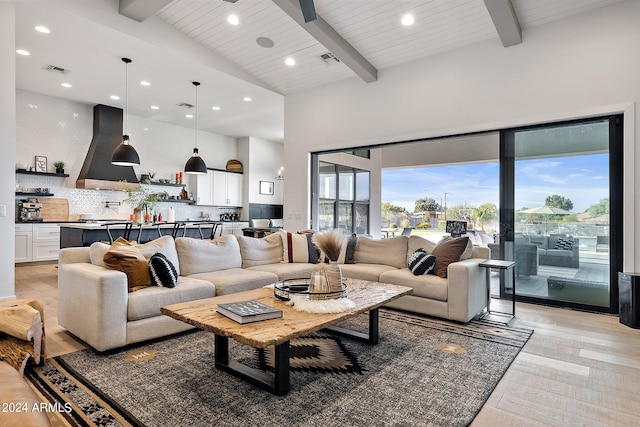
[582,179]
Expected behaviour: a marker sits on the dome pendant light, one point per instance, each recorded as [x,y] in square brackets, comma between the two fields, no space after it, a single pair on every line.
[195,165]
[125,154]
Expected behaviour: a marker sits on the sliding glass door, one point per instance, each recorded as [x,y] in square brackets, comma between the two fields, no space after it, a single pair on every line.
[561,212]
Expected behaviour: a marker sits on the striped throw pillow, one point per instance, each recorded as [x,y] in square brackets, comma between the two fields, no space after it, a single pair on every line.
[421,262]
[162,271]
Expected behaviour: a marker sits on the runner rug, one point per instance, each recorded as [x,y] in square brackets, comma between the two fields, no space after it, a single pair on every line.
[424,372]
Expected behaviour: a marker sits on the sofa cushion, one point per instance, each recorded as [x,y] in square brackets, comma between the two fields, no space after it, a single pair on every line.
[147,302]
[363,271]
[421,262]
[200,256]
[346,250]
[237,280]
[287,270]
[124,256]
[165,245]
[392,252]
[298,247]
[162,271]
[562,243]
[255,251]
[447,251]
[426,286]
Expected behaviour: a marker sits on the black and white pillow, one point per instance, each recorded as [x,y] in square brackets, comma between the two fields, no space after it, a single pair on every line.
[565,244]
[162,271]
[421,262]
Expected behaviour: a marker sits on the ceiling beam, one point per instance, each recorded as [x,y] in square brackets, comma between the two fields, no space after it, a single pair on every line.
[140,10]
[329,38]
[505,20]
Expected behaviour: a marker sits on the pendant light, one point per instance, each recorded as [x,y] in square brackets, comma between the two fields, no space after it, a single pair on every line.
[195,165]
[125,154]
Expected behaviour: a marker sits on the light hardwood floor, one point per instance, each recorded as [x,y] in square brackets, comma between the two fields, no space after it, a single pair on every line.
[578,368]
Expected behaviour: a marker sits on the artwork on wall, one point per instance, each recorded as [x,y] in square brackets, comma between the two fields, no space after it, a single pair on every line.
[41,164]
[266,187]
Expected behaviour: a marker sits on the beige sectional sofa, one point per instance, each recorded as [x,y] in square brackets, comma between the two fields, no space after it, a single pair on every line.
[94,303]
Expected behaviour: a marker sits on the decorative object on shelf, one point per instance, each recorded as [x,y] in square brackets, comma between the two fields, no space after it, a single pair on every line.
[330,243]
[266,187]
[280,175]
[41,164]
[59,165]
[234,166]
[125,154]
[195,165]
[141,200]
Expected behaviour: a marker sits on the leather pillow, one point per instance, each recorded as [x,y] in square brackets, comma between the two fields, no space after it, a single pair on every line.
[447,251]
[124,256]
[162,271]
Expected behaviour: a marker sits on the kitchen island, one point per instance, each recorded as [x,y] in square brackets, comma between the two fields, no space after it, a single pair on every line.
[84,234]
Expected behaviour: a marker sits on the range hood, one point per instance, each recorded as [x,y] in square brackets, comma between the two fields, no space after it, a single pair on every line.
[97,171]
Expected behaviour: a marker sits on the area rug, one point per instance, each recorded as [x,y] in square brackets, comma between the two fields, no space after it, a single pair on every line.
[424,372]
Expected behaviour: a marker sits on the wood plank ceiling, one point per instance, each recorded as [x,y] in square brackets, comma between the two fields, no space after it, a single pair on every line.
[373,28]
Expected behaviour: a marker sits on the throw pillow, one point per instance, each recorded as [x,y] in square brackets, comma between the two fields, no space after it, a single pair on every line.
[351,248]
[298,248]
[124,256]
[162,271]
[421,262]
[565,244]
[448,251]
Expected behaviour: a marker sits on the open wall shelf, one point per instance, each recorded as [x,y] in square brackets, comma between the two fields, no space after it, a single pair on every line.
[26,172]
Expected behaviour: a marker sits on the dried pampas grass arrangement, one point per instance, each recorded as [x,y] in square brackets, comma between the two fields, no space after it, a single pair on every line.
[329,242]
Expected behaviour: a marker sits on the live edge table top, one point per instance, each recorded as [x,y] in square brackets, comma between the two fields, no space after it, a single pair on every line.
[202,313]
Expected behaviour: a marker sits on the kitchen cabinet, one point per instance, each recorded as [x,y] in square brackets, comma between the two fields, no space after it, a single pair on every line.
[233,228]
[227,188]
[218,188]
[23,247]
[37,242]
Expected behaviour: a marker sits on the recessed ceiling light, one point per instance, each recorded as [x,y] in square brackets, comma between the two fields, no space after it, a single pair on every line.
[115,97]
[215,107]
[189,116]
[290,61]
[145,83]
[155,107]
[233,20]
[247,99]
[408,20]
[42,29]
[22,52]
[65,85]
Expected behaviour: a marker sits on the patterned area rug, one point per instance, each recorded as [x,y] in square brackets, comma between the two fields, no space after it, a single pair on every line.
[424,372]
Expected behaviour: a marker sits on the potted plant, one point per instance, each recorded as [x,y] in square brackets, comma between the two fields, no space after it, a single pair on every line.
[141,200]
[59,165]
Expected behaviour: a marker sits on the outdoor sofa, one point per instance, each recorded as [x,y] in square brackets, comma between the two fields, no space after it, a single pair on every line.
[95,305]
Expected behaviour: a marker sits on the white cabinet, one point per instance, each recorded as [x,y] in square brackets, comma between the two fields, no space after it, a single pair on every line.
[201,185]
[37,242]
[24,247]
[234,228]
[227,189]
[218,188]
[46,242]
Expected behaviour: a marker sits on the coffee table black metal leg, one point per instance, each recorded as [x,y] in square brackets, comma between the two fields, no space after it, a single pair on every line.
[278,383]
[372,337]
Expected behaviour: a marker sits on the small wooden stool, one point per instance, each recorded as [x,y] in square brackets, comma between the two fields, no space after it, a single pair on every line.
[22,332]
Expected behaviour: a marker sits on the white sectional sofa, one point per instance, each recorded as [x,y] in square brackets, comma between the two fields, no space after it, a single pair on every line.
[94,303]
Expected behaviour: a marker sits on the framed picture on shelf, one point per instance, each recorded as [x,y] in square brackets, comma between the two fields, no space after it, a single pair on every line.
[266,187]
[41,164]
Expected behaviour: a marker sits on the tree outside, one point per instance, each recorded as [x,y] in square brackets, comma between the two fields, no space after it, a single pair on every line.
[484,213]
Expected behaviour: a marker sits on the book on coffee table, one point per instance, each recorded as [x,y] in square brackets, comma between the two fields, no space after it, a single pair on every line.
[248,311]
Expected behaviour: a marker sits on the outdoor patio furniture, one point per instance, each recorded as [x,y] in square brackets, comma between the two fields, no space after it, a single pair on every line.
[407,231]
[602,243]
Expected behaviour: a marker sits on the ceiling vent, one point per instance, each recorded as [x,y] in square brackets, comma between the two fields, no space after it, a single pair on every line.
[55,69]
[185,105]
[329,58]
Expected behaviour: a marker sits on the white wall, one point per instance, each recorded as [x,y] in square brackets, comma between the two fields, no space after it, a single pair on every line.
[582,66]
[7,145]
[261,160]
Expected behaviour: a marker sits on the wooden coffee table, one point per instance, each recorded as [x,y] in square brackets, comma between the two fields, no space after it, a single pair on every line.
[368,296]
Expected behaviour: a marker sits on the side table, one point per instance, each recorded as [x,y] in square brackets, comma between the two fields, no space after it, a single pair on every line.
[501,265]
